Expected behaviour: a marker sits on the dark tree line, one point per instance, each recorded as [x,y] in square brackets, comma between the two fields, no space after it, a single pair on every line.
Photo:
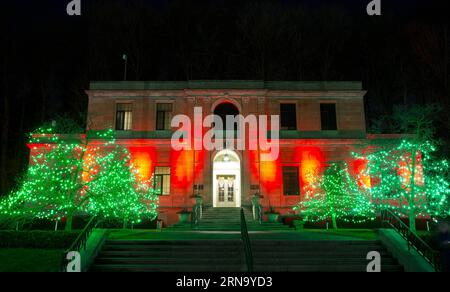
[48,58]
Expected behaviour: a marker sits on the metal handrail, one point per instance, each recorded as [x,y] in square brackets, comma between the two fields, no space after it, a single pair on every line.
[412,239]
[80,242]
[246,242]
[196,214]
[259,214]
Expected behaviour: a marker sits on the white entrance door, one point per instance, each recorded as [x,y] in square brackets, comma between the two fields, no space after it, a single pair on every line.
[226,180]
[226,191]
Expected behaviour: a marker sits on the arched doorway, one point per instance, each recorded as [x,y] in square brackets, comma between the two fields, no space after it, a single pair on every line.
[226,180]
[225,109]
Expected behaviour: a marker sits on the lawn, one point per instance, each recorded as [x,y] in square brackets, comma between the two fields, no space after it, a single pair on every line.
[29,260]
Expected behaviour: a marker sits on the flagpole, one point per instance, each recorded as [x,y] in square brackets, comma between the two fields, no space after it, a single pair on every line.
[125,58]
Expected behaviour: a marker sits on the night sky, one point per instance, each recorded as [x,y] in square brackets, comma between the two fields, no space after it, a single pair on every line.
[48,57]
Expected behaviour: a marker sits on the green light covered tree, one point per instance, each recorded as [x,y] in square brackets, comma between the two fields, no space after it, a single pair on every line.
[408,180]
[69,176]
[336,196]
[49,188]
[407,175]
[118,193]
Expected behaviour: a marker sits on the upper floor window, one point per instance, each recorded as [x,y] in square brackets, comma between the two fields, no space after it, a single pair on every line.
[288,116]
[161,181]
[328,116]
[291,184]
[163,116]
[124,116]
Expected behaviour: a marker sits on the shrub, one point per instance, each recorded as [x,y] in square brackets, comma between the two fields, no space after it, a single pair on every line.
[37,239]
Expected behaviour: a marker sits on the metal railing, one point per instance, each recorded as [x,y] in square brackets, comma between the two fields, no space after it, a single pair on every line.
[246,242]
[412,239]
[257,212]
[197,211]
[80,242]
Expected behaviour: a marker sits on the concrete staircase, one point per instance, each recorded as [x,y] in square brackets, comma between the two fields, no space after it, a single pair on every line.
[318,256]
[228,256]
[171,256]
[228,219]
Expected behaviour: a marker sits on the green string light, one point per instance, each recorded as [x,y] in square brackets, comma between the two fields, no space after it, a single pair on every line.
[408,180]
[67,177]
[336,196]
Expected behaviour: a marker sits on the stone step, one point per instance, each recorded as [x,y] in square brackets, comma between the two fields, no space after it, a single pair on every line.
[238,260]
[170,268]
[239,225]
[224,218]
[236,253]
[248,226]
[255,242]
[169,254]
[322,268]
[316,252]
[228,256]
[238,268]
[234,230]
[234,227]
[176,242]
[315,243]
[178,261]
[228,219]
[232,248]
[224,215]
[309,248]
[264,242]
[188,249]
[231,218]
[169,247]
[215,212]
[238,222]
[263,251]
[325,262]
[224,221]
[219,212]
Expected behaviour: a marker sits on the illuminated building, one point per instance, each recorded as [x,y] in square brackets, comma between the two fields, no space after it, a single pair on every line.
[320,122]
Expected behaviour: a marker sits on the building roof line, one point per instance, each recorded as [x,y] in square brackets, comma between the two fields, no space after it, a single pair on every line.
[229,84]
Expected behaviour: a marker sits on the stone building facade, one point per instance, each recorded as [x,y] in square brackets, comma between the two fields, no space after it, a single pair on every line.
[320,122]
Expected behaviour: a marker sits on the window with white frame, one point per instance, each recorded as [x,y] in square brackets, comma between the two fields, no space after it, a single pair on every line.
[162,180]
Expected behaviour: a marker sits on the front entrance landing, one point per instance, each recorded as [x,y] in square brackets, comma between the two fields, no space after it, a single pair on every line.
[228,219]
